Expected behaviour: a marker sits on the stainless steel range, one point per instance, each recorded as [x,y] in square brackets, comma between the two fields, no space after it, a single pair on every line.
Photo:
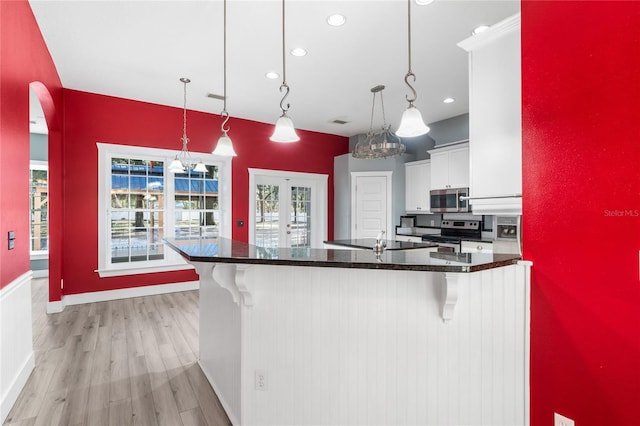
[452,232]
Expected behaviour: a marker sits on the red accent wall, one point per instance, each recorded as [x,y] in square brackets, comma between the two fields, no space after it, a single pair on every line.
[91,118]
[24,59]
[581,208]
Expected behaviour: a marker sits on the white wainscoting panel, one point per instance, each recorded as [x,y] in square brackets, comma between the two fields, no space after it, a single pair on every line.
[220,338]
[354,346]
[16,346]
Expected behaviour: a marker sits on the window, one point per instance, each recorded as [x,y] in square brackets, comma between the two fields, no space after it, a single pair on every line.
[142,203]
[38,204]
[137,210]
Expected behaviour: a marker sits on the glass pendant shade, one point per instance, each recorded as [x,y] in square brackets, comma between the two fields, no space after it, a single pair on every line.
[200,167]
[412,124]
[284,131]
[176,166]
[224,147]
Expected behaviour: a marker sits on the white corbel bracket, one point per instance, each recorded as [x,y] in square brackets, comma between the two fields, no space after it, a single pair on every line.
[452,282]
[229,276]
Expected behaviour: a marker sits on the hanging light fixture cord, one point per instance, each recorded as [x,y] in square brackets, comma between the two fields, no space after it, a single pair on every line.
[284,85]
[185,139]
[224,114]
[410,72]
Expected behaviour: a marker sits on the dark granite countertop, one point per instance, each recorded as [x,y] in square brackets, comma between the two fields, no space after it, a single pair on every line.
[223,250]
[368,243]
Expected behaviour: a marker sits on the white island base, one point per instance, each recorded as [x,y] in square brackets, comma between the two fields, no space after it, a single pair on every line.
[293,345]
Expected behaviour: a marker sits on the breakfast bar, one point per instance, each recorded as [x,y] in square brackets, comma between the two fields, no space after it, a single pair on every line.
[330,336]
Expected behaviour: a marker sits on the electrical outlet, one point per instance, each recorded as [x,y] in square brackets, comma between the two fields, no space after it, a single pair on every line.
[560,420]
[261,380]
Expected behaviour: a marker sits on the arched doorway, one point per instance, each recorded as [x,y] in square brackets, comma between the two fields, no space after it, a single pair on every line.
[54,191]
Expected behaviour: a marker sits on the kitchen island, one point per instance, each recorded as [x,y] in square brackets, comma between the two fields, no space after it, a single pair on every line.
[323,336]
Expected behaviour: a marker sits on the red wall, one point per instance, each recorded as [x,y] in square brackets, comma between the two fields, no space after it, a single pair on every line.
[581,185]
[91,118]
[24,58]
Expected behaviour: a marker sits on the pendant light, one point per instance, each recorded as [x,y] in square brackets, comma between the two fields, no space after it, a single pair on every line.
[284,131]
[224,147]
[411,123]
[380,144]
[183,160]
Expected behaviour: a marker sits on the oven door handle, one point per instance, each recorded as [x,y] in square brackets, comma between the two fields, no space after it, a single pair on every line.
[457,200]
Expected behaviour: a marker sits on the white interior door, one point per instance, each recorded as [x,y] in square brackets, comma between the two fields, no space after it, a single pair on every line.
[370,204]
[288,209]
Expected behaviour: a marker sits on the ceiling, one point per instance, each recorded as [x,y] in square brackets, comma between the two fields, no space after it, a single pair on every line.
[140,49]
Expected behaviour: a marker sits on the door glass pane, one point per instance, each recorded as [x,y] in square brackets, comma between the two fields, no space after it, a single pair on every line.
[267,211]
[300,215]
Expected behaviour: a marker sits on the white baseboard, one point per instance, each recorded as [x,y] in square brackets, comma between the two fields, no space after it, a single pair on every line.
[125,293]
[16,346]
[220,396]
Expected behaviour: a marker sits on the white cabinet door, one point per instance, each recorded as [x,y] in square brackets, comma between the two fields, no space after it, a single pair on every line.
[459,168]
[417,186]
[450,167]
[495,119]
[439,170]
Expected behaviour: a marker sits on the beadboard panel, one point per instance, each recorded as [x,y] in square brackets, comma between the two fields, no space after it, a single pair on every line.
[220,342]
[341,346]
[16,346]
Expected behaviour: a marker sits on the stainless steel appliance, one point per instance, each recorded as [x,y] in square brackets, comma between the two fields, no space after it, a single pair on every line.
[448,200]
[508,232]
[452,232]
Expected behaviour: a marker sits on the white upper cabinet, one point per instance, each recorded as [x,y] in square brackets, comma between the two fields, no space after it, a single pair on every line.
[417,186]
[495,118]
[450,167]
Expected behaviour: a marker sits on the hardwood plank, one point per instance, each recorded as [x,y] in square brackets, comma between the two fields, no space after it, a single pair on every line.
[120,380]
[90,333]
[193,417]
[50,413]
[212,411]
[75,411]
[117,316]
[25,422]
[120,413]
[99,390]
[163,398]
[178,380]
[142,405]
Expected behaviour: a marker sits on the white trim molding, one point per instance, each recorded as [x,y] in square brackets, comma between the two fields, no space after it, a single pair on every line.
[172,261]
[16,342]
[124,293]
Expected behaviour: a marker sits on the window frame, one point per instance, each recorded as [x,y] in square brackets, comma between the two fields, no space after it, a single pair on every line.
[172,261]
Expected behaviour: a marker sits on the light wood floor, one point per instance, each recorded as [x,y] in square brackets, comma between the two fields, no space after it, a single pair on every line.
[122,362]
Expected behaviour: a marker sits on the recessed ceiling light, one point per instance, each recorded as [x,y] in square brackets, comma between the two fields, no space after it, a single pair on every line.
[272,75]
[448,100]
[336,20]
[298,51]
[424,2]
[479,29]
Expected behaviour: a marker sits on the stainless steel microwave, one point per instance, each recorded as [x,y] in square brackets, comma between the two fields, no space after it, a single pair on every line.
[448,200]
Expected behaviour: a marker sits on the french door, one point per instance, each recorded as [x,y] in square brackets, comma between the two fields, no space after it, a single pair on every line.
[287,209]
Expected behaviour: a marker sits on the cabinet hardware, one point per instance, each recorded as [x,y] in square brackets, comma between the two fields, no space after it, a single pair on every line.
[463,198]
